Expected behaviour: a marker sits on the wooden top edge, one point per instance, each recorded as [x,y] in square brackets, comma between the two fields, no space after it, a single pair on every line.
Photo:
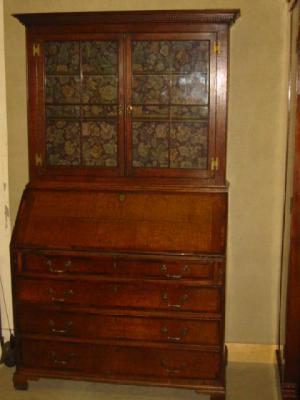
[114,17]
[64,186]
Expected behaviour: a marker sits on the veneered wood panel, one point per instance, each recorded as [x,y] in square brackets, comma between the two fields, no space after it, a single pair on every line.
[118,326]
[192,223]
[209,271]
[160,295]
[120,361]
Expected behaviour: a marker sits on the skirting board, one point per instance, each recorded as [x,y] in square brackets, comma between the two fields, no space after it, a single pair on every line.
[251,353]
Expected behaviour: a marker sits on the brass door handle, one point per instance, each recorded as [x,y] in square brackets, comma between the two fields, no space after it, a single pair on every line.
[129,109]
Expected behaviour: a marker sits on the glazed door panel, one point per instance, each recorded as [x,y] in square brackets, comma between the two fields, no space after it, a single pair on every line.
[79,112]
[171,92]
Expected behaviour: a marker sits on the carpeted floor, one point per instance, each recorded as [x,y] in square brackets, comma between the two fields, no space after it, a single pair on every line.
[244,382]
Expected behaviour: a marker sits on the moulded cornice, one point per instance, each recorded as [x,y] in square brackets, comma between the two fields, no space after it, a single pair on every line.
[132,17]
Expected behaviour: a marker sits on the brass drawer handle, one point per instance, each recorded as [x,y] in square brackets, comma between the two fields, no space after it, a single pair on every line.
[182,300]
[58,271]
[173,371]
[54,299]
[164,268]
[65,331]
[173,276]
[183,333]
[57,361]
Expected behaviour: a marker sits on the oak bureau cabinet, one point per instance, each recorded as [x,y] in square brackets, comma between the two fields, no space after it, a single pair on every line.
[118,251]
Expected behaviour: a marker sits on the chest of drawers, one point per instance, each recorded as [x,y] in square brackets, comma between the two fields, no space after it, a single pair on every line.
[98,313]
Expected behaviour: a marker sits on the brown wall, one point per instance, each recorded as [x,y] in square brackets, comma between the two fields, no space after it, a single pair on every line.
[256,144]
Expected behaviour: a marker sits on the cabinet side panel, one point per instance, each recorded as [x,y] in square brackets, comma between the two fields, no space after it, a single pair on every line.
[292,324]
[290,158]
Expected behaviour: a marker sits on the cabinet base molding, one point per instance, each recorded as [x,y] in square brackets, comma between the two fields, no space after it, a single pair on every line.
[21,378]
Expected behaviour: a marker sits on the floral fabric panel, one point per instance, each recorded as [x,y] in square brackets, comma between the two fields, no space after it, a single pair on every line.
[150,112]
[150,144]
[62,89]
[150,89]
[101,111]
[188,145]
[100,90]
[189,112]
[99,58]
[151,57]
[62,58]
[190,56]
[62,111]
[189,89]
[63,142]
[170,97]
[81,95]
[99,143]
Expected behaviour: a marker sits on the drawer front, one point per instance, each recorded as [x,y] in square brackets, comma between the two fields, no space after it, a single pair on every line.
[57,264]
[116,326]
[116,361]
[207,271]
[139,294]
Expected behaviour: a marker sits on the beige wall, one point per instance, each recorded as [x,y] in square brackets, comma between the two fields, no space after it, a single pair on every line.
[4,200]
[256,144]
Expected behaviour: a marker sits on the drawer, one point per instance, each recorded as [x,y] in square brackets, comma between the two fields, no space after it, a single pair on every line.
[207,271]
[129,294]
[116,326]
[117,361]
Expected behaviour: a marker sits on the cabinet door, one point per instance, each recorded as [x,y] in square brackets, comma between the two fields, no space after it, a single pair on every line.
[171,110]
[76,105]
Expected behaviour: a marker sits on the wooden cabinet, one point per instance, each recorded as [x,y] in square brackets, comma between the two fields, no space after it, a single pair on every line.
[119,248]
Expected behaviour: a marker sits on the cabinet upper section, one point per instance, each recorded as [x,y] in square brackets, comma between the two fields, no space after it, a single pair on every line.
[138,95]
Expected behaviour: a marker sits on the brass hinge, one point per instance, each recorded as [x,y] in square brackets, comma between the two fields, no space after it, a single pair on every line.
[214,164]
[217,47]
[36,49]
[38,160]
